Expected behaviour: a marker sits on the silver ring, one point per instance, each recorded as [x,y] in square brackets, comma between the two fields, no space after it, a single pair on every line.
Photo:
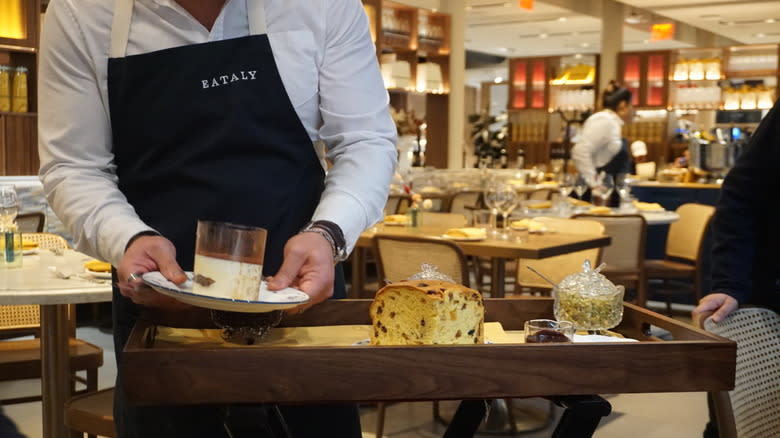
[133,277]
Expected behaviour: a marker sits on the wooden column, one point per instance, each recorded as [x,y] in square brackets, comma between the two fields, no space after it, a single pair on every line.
[456,134]
[611,42]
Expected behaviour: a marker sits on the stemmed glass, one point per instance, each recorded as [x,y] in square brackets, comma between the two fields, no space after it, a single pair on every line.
[9,206]
[580,186]
[605,184]
[565,188]
[623,189]
[491,202]
[505,199]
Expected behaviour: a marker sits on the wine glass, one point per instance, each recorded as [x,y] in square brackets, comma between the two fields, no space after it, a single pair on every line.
[565,188]
[506,201]
[603,188]
[624,190]
[580,186]
[491,202]
[9,206]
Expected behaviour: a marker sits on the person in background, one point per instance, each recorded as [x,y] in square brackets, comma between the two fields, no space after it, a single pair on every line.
[600,146]
[683,160]
[158,113]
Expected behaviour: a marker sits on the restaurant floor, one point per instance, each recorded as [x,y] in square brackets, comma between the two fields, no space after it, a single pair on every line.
[663,415]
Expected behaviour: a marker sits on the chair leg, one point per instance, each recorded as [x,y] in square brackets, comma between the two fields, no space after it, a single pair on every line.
[641,291]
[380,419]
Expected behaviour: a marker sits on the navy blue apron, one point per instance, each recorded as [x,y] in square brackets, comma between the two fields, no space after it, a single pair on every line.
[207,131]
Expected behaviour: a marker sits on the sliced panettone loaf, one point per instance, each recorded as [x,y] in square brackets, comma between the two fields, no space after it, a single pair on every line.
[427,312]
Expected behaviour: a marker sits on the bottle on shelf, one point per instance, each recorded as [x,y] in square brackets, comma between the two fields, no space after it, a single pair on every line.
[503,159]
[520,158]
[5,88]
[19,91]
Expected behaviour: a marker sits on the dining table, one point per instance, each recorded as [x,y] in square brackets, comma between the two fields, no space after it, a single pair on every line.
[496,248]
[53,281]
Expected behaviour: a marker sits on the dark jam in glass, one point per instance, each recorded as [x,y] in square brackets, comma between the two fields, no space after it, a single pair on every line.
[547,336]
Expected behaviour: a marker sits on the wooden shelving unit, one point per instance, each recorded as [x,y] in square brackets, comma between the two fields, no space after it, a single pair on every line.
[416,36]
[18,131]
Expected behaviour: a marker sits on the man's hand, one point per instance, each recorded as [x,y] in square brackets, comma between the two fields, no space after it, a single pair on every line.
[146,254]
[308,266]
[721,304]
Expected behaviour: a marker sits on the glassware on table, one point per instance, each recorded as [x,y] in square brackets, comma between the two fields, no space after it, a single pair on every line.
[10,237]
[548,330]
[565,187]
[602,190]
[504,198]
[580,186]
[623,188]
[9,206]
[491,203]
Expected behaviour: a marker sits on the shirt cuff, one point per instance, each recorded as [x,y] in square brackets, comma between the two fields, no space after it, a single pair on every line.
[346,212]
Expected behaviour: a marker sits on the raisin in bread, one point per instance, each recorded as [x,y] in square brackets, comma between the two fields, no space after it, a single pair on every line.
[427,312]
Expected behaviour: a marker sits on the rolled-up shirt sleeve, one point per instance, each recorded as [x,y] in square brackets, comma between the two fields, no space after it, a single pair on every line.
[356,126]
[77,165]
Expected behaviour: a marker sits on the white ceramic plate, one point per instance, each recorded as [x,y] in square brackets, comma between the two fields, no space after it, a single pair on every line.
[98,274]
[396,224]
[32,251]
[464,239]
[282,299]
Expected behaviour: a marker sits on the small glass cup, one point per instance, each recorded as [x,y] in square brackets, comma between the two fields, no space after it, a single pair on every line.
[548,330]
[229,260]
[11,249]
[482,219]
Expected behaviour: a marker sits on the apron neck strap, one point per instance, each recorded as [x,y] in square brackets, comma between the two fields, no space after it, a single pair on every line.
[120,27]
[123,14]
[255,11]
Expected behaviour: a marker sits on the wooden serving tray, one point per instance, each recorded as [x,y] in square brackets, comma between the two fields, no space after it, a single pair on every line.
[189,373]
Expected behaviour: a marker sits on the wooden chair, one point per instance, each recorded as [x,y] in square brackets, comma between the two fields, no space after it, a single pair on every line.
[625,256]
[557,267]
[451,220]
[21,358]
[399,257]
[31,222]
[751,409]
[396,204]
[465,202]
[91,413]
[683,254]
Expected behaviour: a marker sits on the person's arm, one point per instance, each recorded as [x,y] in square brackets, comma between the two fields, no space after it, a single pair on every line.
[360,139]
[742,211]
[356,126]
[77,164]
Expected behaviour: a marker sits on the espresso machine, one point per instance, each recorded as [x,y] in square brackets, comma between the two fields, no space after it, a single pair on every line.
[717,155]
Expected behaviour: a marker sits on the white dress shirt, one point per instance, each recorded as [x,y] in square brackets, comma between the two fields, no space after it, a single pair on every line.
[599,141]
[325,58]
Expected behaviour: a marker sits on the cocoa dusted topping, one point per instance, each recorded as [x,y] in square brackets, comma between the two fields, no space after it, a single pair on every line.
[471,332]
[457,335]
[422,284]
[203,280]
[422,322]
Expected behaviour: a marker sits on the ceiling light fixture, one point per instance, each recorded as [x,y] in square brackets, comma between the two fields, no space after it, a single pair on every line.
[578,56]
[584,45]
[498,80]
[543,35]
[633,18]
[769,20]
